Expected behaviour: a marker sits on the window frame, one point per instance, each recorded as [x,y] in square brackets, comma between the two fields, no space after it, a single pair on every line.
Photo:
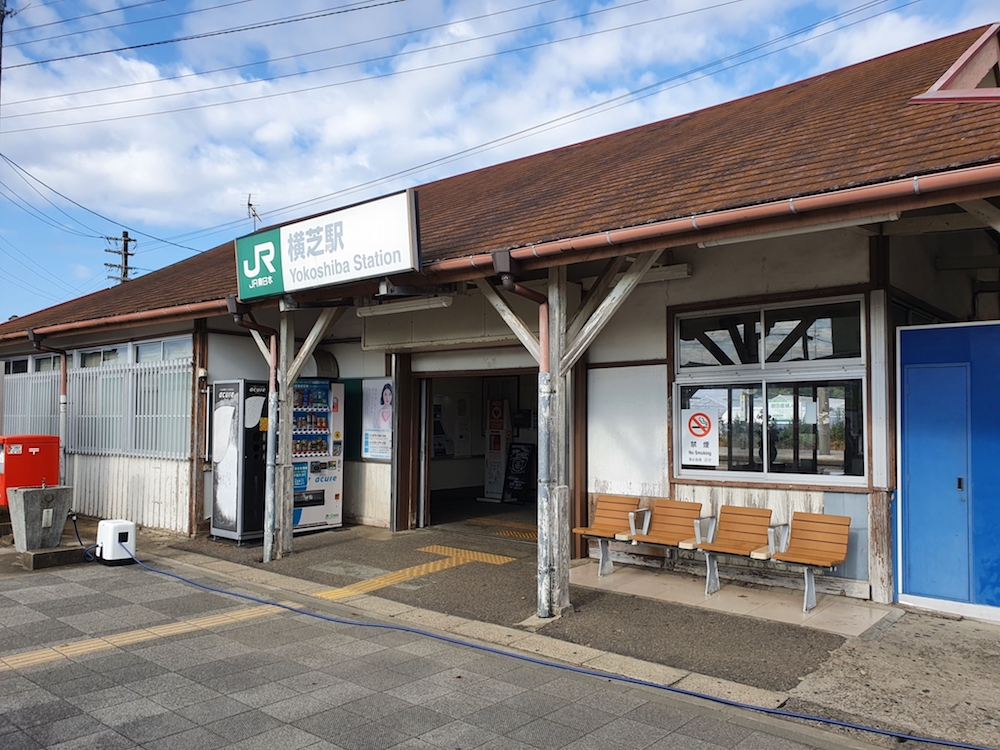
[765,375]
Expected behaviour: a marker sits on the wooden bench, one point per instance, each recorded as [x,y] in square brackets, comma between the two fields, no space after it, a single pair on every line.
[614,514]
[737,531]
[817,540]
[670,523]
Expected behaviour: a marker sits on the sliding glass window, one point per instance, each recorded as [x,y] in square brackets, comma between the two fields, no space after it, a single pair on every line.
[773,391]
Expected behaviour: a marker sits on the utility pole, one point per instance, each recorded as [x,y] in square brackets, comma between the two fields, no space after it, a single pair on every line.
[5,13]
[123,267]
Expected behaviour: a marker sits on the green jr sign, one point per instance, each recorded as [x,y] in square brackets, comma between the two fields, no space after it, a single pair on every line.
[258,260]
[366,241]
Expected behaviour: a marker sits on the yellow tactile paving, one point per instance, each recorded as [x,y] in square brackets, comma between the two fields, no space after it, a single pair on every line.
[468,555]
[92,645]
[517,534]
[493,521]
[453,557]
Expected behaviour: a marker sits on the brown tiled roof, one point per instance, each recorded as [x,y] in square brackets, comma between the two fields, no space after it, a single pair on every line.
[853,126]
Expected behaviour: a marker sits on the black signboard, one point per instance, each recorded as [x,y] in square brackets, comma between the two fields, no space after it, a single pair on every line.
[520,477]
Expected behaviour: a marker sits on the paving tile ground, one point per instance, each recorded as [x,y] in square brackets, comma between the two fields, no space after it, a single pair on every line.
[287,680]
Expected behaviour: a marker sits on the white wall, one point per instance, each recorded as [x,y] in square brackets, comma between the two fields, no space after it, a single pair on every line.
[234,358]
[466,360]
[627,431]
[911,264]
[638,331]
[355,363]
[787,264]
[471,319]
[367,493]
[150,492]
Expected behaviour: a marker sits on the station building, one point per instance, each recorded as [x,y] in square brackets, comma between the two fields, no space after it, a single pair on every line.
[815,267]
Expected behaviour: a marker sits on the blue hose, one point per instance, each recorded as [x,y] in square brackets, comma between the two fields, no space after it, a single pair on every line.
[569,668]
[87,555]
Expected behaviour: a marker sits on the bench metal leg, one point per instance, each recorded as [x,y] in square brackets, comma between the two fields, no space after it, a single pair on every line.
[810,591]
[604,566]
[711,573]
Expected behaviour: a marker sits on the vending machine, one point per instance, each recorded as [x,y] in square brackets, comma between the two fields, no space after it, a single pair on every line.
[317,453]
[239,446]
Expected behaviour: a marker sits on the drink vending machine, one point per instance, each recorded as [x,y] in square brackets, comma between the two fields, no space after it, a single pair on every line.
[318,453]
[239,446]
[239,456]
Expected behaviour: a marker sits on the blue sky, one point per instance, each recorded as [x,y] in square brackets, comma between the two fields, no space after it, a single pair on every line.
[161,117]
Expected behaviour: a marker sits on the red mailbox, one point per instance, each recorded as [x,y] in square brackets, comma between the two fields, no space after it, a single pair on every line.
[28,461]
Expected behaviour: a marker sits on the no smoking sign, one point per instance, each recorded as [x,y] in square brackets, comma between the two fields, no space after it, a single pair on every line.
[700,424]
[700,443]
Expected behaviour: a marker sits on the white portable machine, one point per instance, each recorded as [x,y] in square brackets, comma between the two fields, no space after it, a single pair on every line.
[111,536]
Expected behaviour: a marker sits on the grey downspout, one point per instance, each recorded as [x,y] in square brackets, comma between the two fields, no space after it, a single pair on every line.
[36,341]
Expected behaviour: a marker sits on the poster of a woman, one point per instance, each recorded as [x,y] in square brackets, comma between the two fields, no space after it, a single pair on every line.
[376,442]
[383,417]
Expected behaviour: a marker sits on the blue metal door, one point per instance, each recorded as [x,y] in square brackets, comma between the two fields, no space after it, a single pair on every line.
[936,557]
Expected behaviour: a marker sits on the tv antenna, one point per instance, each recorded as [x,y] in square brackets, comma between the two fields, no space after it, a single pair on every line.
[251,211]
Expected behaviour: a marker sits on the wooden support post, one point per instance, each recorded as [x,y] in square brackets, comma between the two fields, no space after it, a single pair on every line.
[880,546]
[284,491]
[559,462]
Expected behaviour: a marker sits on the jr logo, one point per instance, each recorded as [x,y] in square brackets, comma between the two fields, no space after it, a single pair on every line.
[262,252]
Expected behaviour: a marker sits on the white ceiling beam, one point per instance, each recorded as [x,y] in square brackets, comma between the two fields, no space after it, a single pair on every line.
[326,320]
[511,318]
[265,349]
[576,346]
[958,222]
[984,211]
[595,296]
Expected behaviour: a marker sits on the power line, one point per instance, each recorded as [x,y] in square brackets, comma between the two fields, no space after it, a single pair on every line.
[337,48]
[53,222]
[585,112]
[118,9]
[222,32]
[541,127]
[318,87]
[614,102]
[121,25]
[381,58]
[19,168]
[5,13]
[53,277]
[13,197]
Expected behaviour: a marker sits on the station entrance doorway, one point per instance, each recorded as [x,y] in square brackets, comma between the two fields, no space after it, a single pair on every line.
[478,449]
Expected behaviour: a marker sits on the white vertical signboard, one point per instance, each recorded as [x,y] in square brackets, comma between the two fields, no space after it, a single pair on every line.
[700,443]
[498,435]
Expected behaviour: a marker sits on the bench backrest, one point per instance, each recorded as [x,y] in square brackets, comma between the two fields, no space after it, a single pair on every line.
[739,526]
[673,518]
[613,510]
[819,537]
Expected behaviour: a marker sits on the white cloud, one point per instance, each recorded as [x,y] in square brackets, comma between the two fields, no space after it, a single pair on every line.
[178,173]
